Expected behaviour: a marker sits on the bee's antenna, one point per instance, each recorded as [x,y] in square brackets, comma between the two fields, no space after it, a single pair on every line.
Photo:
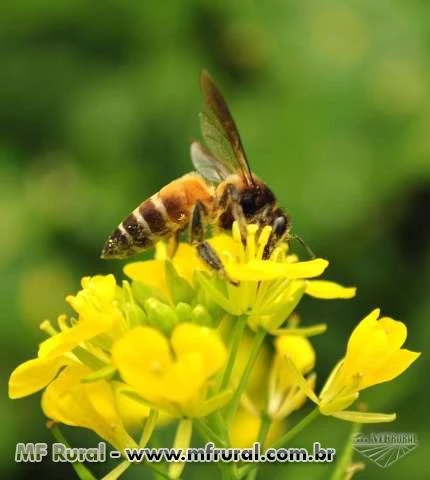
[304,245]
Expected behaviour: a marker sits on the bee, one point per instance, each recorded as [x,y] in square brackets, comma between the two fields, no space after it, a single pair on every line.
[223,189]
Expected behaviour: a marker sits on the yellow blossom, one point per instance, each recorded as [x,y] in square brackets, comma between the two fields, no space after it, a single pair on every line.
[172,375]
[70,401]
[267,290]
[374,355]
[98,312]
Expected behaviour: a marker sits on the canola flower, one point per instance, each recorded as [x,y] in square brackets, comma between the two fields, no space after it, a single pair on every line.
[373,355]
[219,356]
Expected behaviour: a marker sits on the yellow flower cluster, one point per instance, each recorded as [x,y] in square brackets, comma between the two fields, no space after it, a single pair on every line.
[194,346]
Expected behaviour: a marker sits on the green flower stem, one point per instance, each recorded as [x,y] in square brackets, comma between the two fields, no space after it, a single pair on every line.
[208,434]
[157,469]
[345,458]
[266,421]
[117,471]
[81,470]
[220,426]
[285,439]
[181,442]
[255,350]
[150,424]
[304,422]
[234,347]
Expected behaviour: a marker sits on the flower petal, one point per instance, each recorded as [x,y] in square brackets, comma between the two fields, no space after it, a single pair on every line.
[89,405]
[397,363]
[259,270]
[298,349]
[150,273]
[245,427]
[328,290]
[396,331]
[68,339]
[189,337]
[187,261]
[33,375]
[142,356]
[362,332]
[97,295]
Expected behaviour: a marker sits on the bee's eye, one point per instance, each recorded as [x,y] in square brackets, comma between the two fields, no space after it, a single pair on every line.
[248,203]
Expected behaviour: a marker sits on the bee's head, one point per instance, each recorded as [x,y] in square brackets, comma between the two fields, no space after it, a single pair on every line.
[254,199]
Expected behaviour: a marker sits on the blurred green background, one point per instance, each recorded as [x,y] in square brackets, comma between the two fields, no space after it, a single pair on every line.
[98,101]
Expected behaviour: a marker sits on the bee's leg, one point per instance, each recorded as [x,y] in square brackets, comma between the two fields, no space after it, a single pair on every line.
[197,237]
[231,195]
[211,258]
[172,245]
[196,227]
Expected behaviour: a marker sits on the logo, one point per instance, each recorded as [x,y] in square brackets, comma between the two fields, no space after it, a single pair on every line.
[385,448]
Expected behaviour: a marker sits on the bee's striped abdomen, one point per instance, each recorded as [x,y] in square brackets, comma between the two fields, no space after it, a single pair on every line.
[147,224]
[159,217]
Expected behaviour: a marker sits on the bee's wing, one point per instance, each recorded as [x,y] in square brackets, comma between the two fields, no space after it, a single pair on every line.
[220,132]
[208,166]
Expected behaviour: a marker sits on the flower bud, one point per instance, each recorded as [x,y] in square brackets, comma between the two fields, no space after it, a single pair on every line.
[183,311]
[201,316]
[160,315]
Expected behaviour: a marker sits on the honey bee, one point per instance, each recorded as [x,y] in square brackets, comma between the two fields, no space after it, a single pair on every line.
[223,189]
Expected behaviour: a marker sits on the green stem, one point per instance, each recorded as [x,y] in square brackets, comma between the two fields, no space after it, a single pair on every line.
[304,422]
[345,458]
[255,350]
[117,471]
[262,434]
[158,470]
[285,439]
[234,347]
[81,470]
[150,424]
[181,442]
[221,428]
[208,434]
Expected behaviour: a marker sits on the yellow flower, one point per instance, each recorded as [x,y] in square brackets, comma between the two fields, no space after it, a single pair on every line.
[172,375]
[374,355]
[285,395]
[70,401]
[99,313]
[269,290]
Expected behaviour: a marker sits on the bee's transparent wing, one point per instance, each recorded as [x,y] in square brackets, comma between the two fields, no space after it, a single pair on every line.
[208,166]
[220,132]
